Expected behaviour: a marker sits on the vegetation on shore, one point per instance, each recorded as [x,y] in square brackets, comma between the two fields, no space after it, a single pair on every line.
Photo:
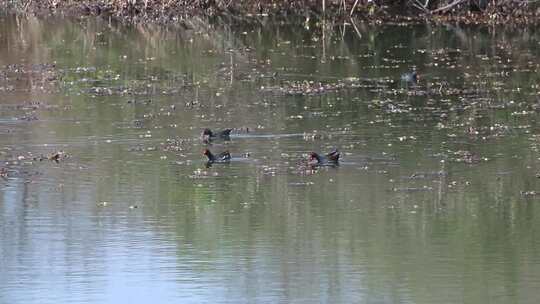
[167,11]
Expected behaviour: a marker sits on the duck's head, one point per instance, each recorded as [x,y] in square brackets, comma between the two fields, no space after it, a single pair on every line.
[314,157]
[207,133]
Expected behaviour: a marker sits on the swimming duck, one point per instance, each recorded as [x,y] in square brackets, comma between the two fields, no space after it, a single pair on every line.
[4,173]
[331,158]
[223,157]
[410,77]
[208,135]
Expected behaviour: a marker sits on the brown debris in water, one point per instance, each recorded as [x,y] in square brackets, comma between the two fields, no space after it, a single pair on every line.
[43,77]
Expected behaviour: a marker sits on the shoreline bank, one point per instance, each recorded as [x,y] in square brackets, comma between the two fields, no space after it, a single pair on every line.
[169,12]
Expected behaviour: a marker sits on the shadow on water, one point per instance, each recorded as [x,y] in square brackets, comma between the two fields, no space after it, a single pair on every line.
[434,198]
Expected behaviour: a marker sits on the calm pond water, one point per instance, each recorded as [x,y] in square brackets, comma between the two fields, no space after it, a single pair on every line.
[435,200]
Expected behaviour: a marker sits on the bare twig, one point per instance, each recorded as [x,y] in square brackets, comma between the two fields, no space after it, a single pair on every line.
[424,6]
[27,4]
[344,5]
[447,7]
[420,6]
[356,29]
[353,7]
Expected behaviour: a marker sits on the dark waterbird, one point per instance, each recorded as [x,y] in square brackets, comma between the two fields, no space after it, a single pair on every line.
[409,77]
[208,135]
[330,159]
[223,157]
[223,133]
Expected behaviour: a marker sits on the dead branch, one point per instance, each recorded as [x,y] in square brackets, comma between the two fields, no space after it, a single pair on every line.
[447,7]
[353,7]
[423,7]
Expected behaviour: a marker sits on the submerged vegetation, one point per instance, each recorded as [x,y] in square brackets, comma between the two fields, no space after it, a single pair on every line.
[161,11]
